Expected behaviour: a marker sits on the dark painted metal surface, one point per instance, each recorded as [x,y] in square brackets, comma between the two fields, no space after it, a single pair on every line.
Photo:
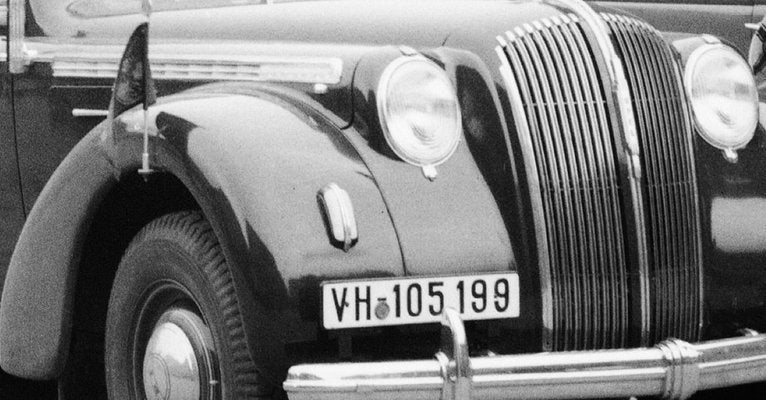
[62,214]
[11,210]
[46,129]
[722,18]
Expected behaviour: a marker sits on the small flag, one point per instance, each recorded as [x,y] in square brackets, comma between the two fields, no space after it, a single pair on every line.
[134,84]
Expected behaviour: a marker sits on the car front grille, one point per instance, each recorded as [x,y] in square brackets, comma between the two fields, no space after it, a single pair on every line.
[670,185]
[571,152]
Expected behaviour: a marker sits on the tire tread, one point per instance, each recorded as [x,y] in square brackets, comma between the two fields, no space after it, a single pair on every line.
[193,233]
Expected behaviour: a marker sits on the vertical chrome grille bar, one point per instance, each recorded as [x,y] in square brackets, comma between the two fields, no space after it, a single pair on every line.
[551,75]
[614,264]
[687,190]
[694,249]
[609,188]
[623,125]
[593,326]
[570,161]
[663,183]
[671,189]
[541,220]
[647,124]
[541,107]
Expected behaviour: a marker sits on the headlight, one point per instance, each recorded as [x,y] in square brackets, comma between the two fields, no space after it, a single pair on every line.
[723,96]
[419,111]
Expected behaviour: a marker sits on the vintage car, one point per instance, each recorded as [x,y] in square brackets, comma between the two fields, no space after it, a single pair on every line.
[231,199]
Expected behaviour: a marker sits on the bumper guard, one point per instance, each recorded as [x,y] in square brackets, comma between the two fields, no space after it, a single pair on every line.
[673,369]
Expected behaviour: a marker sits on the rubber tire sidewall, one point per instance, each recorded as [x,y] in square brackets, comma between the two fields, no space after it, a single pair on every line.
[146,264]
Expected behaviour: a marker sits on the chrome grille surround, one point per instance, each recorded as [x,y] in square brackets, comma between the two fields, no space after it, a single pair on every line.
[670,187]
[585,166]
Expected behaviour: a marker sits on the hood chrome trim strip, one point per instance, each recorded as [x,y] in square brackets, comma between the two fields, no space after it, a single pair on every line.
[190,63]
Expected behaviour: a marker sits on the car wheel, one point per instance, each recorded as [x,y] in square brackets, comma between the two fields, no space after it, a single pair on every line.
[174,326]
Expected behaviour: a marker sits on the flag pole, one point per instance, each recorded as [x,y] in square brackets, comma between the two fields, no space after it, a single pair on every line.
[146,169]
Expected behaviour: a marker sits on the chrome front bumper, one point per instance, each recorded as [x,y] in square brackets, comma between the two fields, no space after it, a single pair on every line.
[672,369]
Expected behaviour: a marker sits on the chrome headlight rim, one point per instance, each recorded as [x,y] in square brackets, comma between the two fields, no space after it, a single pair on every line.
[695,58]
[384,110]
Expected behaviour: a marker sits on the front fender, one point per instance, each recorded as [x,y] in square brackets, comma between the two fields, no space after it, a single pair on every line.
[37,298]
[254,158]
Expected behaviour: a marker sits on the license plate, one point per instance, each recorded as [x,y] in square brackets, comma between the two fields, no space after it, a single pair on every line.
[381,302]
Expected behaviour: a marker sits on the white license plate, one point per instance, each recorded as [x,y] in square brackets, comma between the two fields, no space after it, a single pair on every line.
[366,303]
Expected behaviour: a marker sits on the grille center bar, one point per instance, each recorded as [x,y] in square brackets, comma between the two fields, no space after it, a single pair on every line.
[624,127]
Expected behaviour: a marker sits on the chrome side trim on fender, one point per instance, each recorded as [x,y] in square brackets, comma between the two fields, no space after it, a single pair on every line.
[213,68]
[673,369]
[339,213]
[87,113]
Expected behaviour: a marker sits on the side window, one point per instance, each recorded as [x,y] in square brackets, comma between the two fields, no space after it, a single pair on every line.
[108,8]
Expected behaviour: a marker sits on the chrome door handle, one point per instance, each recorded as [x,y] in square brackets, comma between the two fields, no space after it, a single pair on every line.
[87,112]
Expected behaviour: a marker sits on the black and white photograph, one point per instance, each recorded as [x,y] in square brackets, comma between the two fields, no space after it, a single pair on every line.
[382,199]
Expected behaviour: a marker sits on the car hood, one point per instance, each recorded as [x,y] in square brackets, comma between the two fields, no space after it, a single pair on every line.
[425,23]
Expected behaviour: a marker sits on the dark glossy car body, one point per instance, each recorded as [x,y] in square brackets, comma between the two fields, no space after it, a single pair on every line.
[252,151]
[725,19]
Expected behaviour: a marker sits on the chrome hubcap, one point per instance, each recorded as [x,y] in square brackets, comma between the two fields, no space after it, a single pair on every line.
[178,361]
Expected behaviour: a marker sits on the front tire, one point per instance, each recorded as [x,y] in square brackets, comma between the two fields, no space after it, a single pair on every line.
[174,324]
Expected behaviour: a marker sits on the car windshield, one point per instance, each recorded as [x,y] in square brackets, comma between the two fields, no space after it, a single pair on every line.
[105,8]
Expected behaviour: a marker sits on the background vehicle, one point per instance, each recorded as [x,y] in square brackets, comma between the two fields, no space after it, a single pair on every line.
[322,190]
[723,18]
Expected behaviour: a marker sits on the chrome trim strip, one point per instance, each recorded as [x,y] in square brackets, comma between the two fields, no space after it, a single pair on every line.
[584,274]
[455,352]
[624,123]
[670,180]
[672,369]
[339,211]
[85,112]
[564,94]
[533,181]
[243,68]
[689,128]
[610,290]
[192,62]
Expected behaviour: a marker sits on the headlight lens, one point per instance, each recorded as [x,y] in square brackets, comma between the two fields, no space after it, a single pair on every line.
[419,111]
[723,95]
